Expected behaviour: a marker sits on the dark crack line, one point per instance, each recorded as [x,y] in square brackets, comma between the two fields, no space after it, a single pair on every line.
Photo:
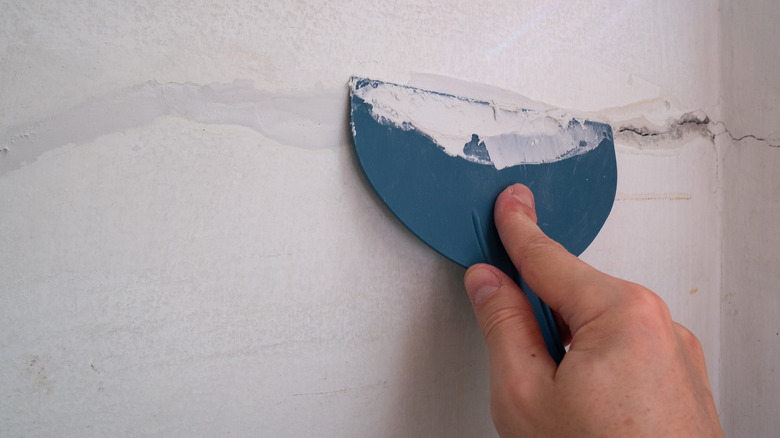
[677,128]
[737,139]
[763,140]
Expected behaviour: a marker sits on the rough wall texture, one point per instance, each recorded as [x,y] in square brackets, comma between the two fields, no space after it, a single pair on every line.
[751,296]
[190,249]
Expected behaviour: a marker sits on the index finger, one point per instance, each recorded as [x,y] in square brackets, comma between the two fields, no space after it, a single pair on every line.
[577,291]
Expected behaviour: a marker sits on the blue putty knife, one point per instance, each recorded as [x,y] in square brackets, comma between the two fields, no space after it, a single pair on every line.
[439,162]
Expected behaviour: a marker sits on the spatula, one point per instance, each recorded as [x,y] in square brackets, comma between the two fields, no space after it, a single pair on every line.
[439,161]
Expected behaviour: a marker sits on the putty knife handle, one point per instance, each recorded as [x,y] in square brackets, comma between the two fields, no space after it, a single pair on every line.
[544,315]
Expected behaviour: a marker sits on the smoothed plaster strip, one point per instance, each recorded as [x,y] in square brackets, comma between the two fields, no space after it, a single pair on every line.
[312,120]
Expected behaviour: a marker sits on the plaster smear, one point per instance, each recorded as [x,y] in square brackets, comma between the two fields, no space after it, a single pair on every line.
[502,134]
[307,119]
[513,128]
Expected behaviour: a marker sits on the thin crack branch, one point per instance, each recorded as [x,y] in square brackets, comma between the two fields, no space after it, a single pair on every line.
[763,140]
[753,136]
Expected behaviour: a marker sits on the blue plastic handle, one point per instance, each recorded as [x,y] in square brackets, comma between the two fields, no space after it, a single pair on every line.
[544,315]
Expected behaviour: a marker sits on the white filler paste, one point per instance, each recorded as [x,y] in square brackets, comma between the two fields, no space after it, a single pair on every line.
[512,135]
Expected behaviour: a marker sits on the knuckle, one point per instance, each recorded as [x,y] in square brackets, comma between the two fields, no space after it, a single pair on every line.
[688,339]
[643,300]
[644,308]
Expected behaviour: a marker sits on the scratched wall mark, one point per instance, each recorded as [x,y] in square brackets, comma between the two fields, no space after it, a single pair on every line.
[671,196]
[379,385]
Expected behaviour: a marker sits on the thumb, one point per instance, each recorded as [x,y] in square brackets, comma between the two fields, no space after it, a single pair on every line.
[514,340]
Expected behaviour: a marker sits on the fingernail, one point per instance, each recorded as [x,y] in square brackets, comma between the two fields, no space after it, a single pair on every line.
[523,194]
[481,284]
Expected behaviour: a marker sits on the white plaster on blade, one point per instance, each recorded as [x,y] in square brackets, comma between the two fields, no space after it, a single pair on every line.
[647,125]
[307,120]
[512,133]
[478,91]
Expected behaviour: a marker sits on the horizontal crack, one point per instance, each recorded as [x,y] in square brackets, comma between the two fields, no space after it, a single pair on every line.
[695,121]
[692,122]
[764,140]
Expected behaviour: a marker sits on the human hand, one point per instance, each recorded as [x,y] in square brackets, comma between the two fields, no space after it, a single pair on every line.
[630,370]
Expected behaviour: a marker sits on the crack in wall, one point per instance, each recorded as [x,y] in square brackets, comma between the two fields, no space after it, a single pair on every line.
[691,123]
[754,137]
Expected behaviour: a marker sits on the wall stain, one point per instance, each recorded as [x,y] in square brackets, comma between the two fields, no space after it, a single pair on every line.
[35,371]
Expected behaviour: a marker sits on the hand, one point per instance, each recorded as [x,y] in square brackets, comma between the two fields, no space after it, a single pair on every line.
[630,371]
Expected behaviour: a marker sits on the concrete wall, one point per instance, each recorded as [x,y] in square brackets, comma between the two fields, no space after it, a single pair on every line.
[189,247]
[751,296]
